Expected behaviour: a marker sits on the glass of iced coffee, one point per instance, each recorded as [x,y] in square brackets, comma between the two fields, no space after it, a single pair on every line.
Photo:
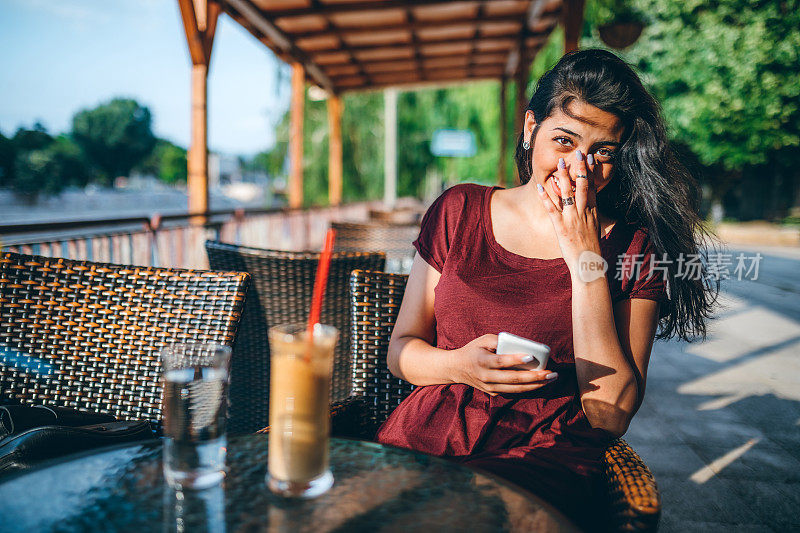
[299,409]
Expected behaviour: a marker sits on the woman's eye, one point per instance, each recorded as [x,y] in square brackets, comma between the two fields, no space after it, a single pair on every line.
[604,153]
[563,141]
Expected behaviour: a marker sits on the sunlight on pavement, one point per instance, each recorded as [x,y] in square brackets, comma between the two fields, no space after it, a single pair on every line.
[717,465]
[758,351]
[721,403]
[776,373]
[744,330]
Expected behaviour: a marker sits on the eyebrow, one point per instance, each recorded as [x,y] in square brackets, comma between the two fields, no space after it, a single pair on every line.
[613,143]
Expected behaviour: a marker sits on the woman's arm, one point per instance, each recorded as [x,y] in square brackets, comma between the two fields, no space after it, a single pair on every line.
[612,351]
[612,345]
[413,357]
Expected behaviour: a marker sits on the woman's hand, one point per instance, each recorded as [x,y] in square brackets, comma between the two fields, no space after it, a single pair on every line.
[575,220]
[478,366]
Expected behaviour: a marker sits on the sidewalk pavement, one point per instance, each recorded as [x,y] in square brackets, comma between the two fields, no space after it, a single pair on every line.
[720,424]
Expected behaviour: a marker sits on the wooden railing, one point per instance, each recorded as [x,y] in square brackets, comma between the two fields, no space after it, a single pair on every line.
[173,240]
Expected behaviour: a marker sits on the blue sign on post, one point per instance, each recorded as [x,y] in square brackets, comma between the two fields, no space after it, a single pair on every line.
[453,143]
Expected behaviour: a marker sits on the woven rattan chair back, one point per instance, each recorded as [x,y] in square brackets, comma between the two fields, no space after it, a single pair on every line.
[280,293]
[393,239]
[375,299]
[87,335]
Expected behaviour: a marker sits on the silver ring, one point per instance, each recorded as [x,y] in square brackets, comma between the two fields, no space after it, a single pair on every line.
[582,176]
[569,200]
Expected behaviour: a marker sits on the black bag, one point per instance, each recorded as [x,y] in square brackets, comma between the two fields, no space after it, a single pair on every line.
[30,435]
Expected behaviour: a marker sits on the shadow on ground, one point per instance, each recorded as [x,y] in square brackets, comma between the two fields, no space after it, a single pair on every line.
[720,424]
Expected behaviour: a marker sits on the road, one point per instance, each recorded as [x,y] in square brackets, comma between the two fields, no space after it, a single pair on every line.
[719,424]
[778,285]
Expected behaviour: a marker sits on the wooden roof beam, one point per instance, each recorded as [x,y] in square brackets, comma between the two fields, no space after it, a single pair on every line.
[354,7]
[194,36]
[415,25]
[424,84]
[213,10]
[510,41]
[346,47]
[415,45]
[277,36]
[531,18]
[489,58]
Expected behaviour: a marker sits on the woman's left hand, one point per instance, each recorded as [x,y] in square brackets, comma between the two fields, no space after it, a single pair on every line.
[575,222]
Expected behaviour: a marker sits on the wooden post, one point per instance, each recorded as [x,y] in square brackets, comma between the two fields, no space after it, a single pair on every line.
[522,99]
[572,20]
[335,150]
[198,149]
[200,23]
[390,148]
[501,163]
[296,136]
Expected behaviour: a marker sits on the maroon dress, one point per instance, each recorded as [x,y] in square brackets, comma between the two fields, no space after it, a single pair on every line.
[540,440]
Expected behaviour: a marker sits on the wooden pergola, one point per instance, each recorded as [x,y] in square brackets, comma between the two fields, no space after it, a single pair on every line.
[356,45]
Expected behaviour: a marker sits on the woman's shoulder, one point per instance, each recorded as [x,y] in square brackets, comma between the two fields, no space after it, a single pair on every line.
[463,193]
[450,216]
[452,204]
[629,237]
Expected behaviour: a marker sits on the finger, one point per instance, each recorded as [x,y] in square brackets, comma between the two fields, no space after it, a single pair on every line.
[512,389]
[595,169]
[552,210]
[488,341]
[565,185]
[518,376]
[581,175]
[496,361]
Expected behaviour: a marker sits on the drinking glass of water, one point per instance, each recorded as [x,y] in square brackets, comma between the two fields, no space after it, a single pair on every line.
[195,380]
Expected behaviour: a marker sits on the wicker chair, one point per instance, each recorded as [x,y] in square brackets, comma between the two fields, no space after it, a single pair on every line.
[86,335]
[394,239]
[633,498]
[280,292]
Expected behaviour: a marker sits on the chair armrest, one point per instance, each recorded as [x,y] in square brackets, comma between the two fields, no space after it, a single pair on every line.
[633,500]
[347,418]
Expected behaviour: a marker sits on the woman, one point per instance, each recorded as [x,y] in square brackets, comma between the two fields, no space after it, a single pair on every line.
[598,179]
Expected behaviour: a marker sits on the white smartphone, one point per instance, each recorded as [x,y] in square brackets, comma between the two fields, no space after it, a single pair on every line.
[508,344]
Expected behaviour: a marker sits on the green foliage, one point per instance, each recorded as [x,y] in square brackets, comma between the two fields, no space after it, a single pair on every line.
[271,162]
[115,136]
[601,12]
[167,162]
[33,139]
[362,146]
[7,154]
[43,164]
[727,74]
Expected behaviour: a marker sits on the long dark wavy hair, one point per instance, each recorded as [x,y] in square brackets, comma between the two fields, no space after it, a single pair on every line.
[649,186]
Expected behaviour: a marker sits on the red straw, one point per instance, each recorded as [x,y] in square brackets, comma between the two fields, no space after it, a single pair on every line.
[319,283]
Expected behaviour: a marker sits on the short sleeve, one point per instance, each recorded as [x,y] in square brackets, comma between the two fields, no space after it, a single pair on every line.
[438,227]
[644,272]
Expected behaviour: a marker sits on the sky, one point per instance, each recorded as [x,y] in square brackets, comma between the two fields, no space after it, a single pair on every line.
[60,56]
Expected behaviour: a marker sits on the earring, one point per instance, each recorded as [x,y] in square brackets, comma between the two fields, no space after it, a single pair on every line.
[526,145]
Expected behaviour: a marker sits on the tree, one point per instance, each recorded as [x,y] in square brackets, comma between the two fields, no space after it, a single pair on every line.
[115,136]
[7,154]
[271,162]
[726,73]
[32,139]
[43,164]
[167,162]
